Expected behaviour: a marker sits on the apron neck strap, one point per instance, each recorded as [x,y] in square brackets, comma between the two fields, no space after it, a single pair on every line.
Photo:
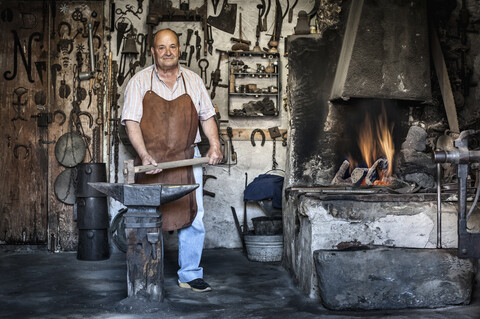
[151,80]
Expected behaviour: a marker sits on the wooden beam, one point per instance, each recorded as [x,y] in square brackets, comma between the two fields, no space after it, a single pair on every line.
[243,134]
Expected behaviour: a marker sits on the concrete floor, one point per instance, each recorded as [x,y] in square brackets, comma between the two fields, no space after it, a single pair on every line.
[38,284]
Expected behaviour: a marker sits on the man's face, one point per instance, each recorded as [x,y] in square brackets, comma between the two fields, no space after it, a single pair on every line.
[166,50]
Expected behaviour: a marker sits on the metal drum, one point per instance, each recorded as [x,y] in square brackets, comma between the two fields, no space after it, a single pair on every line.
[92,213]
[90,172]
[93,244]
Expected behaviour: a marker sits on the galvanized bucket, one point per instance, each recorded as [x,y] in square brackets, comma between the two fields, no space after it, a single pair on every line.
[264,248]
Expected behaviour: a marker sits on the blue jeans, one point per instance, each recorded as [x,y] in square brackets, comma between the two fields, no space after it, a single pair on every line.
[190,239]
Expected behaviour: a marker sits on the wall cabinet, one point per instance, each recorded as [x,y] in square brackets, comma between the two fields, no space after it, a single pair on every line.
[253,84]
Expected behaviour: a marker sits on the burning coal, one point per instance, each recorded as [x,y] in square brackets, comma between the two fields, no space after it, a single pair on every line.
[377,148]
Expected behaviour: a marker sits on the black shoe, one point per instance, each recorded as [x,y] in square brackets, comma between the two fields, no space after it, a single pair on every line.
[196,285]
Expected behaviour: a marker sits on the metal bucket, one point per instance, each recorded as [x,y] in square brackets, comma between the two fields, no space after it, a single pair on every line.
[90,172]
[264,248]
[267,225]
[92,213]
[93,244]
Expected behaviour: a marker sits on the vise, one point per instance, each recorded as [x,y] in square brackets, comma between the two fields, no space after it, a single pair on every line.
[468,242]
[143,230]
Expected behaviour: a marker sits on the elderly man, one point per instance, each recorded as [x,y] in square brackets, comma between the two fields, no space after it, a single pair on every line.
[162,108]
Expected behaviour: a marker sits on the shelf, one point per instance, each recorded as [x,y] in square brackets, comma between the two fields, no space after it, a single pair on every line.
[253,104]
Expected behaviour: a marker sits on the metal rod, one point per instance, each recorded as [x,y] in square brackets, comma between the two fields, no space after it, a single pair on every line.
[439,207]
[90,46]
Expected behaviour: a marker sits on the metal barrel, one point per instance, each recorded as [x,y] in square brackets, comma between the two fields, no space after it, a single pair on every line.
[92,213]
[90,172]
[93,244]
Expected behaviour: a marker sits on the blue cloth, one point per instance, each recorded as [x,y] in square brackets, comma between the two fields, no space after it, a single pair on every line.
[265,186]
[190,239]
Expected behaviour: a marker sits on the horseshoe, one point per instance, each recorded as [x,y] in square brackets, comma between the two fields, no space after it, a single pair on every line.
[252,137]
[17,146]
[64,117]
[69,28]
[90,118]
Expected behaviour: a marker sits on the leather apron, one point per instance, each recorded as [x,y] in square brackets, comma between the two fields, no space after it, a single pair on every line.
[169,129]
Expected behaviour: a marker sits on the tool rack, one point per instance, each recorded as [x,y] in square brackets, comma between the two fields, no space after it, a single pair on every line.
[251,82]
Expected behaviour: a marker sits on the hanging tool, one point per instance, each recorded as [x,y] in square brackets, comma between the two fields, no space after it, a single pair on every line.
[205,192]
[183,55]
[275,39]
[88,75]
[230,136]
[215,77]
[290,12]
[192,48]
[142,40]
[18,105]
[122,29]
[241,45]
[258,29]
[198,44]
[209,39]
[264,24]
[215,5]
[203,65]
[227,19]
[252,136]
[53,71]
[274,133]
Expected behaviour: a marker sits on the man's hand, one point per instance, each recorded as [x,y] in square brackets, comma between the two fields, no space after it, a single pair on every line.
[211,132]
[148,160]
[136,138]
[215,155]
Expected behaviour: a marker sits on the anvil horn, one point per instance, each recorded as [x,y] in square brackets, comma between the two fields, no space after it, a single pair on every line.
[144,194]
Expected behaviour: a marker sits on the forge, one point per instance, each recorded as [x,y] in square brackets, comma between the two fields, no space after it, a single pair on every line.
[344,233]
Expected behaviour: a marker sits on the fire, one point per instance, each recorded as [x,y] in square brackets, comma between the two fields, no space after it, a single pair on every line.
[375,141]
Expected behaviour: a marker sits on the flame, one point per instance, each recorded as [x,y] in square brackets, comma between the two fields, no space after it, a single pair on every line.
[376,141]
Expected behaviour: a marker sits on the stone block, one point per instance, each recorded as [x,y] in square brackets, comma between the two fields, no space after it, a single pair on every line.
[379,278]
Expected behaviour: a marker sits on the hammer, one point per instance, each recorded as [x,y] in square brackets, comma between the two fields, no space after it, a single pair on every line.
[129,170]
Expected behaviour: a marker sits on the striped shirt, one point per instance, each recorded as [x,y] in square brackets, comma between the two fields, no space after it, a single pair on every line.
[141,82]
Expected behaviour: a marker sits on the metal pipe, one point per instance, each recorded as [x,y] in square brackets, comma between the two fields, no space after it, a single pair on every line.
[439,207]
[90,47]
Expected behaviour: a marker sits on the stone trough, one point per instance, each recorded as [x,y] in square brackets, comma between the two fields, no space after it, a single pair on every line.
[393,278]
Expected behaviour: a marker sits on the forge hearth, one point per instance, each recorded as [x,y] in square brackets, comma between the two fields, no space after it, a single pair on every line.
[336,79]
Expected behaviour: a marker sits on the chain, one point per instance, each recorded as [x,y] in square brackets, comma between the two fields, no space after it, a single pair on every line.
[96,144]
[274,161]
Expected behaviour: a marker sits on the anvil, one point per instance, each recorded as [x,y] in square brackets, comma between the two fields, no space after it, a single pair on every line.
[143,229]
